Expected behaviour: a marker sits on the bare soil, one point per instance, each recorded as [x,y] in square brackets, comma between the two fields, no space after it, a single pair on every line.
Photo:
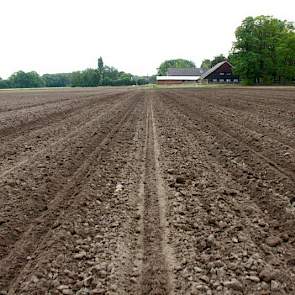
[141,191]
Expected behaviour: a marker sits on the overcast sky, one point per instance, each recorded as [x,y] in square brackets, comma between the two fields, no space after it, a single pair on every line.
[51,36]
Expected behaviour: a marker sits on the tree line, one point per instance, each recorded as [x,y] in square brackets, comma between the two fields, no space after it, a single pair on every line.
[103,75]
[263,53]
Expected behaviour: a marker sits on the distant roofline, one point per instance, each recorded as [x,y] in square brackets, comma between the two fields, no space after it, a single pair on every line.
[194,71]
[188,78]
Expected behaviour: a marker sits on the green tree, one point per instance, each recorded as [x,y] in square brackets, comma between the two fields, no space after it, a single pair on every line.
[110,74]
[255,53]
[76,79]
[217,59]
[174,63]
[206,64]
[26,80]
[100,69]
[4,84]
[286,57]
[57,80]
[86,78]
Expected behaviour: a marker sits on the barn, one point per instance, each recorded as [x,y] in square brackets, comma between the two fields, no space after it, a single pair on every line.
[220,73]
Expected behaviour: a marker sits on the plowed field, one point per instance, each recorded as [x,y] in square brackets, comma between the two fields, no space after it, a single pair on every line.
[141,191]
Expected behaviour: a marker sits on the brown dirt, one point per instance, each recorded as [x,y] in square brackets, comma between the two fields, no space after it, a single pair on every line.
[130,191]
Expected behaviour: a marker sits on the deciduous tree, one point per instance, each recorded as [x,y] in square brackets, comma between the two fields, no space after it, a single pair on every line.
[264,50]
[174,63]
[206,64]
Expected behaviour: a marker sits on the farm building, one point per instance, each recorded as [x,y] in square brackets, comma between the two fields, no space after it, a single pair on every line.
[220,73]
[180,76]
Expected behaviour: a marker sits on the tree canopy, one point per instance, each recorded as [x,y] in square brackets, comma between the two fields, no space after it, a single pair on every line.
[217,59]
[22,79]
[264,50]
[207,63]
[57,80]
[174,63]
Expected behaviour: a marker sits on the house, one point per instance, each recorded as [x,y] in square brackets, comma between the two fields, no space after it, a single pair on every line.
[180,76]
[220,73]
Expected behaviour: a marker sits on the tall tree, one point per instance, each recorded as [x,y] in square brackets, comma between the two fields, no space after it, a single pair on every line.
[100,69]
[174,63]
[259,42]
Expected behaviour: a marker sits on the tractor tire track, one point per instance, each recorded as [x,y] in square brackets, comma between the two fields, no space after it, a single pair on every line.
[156,277]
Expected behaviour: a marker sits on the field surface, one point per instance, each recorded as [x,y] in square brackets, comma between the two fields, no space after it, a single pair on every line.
[147,191]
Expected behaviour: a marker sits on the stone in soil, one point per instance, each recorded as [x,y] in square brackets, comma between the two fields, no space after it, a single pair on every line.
[273,241]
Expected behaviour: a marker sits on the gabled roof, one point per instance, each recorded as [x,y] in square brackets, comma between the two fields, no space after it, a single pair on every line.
[184,72]
[207,73]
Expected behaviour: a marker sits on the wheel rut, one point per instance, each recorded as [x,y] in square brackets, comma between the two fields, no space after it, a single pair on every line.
[156,278]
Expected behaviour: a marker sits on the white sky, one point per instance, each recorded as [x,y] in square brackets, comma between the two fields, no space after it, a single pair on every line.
[51,36]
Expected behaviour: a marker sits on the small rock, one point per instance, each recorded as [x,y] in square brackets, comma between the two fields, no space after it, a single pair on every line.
[222,224]
[80,255]
[264,286]
[35,279]
[235,240]
[234,284]
[119,187]
[67,292]
[275,286]
[62,287]
[98,291]
[87,291]
[210,240]
[196,288]
[273,241]
[253,279]
[204,279]
[113,287]
[242,237]
[267,274]
[197,269]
